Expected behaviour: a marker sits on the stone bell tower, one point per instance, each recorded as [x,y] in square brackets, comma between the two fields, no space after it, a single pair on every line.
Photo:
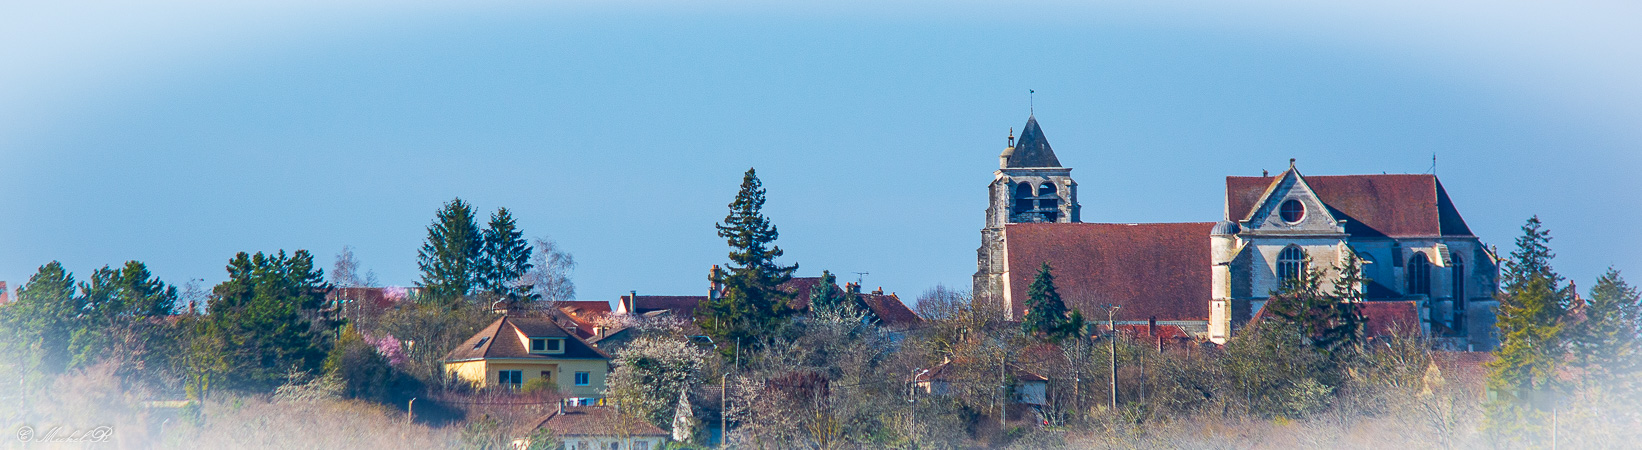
[1030,186]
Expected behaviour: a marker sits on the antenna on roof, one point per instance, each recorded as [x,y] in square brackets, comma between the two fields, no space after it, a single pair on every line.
[1433,163]
[860,276]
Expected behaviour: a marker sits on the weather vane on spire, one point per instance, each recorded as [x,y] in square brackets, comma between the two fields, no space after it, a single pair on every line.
[1031,102]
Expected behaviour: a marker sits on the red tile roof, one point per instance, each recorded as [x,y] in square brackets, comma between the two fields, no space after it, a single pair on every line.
[1373,205]
[681,305]
[889,308]
[595,421]
[1386,317]
[1154,270]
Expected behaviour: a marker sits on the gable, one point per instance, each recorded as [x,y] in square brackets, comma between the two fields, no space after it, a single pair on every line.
[1288,187]
[1372,205]
[1153,270]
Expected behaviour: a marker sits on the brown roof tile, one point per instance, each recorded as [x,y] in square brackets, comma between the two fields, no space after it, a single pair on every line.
[595,421]
[1402,205]
[681,305]
[500,339]
[1156,270]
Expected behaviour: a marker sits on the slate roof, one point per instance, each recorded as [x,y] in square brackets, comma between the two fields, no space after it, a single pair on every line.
[500,339]
[1032,149]
[594,421]
[1384,317]
[1373,205]
[1156,270]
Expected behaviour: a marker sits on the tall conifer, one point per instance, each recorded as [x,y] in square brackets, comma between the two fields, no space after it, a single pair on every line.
[1046,314]
[505,257]
[1530,318]
[749,305]
[449,258]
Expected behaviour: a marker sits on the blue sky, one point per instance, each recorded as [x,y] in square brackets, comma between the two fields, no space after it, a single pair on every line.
[178,133]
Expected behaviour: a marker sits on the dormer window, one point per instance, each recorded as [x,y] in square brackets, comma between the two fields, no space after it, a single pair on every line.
[547,345]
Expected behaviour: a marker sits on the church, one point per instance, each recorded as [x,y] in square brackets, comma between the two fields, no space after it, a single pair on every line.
[1427,272]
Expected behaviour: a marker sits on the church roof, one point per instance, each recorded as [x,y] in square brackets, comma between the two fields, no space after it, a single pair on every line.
[1373,205]
[1032,149]
[1156,270]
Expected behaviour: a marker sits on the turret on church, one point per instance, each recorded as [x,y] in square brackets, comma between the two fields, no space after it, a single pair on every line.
[1030,186]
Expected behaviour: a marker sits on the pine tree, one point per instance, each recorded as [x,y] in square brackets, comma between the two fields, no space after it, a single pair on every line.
[749,305]
[113,300]
[261,324]
[46,314]
[1046,314]
[449,258]
[1530,319]
[825,293]
[505,257]
[1605,345]
[1328,320]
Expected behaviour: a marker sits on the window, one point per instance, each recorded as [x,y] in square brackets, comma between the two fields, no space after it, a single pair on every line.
[547,375]
[1368,266]
[1291,262]
[1292,211]
[1049,202]
[1419,275]
[615,446]
[1023,198]
[581,378]
[510,378]
[1459,293]
[641,445]
[555,345]
[537,345]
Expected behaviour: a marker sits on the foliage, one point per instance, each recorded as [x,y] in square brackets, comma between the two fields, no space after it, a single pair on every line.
[263,323]
[505,258]
[1606,344]
[749,305]
[651,372]
[1046,315]
[1530,318]
[449,258]
[362,368]
[1329,320]
[428,331]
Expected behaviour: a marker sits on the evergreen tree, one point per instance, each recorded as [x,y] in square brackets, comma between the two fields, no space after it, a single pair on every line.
[505,257]
[449,258]
[825,294]
[749,304]
[1532,306]
[46,314]
[1046,314]
[113,300]
[1605,345]
[262,324]
[1330,320]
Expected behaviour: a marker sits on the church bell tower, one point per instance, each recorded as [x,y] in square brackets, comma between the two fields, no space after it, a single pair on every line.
[1030,186]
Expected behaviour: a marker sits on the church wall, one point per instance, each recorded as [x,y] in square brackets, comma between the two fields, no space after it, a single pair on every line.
[1323,251]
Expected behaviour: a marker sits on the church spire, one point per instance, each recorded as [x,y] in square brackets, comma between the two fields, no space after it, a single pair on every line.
[1031,149]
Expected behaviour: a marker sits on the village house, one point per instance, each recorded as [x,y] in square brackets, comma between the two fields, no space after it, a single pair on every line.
[888,308]
[595,428]
[1209,279]
[512,350]
[1028,388]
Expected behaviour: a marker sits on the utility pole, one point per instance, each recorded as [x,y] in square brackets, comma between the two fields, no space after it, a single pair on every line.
[724,411]
[1003,389]
[1111,326]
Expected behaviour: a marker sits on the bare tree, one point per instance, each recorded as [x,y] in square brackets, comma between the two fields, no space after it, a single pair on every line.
[346,271]
[550,277]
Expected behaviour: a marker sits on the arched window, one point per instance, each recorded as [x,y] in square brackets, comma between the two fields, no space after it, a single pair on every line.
[1023,198]
[1368,266]
[1291,262]
[1419,275]
[1049,201]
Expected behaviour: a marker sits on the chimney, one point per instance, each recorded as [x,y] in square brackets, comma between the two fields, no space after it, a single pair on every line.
[1151,326]
[561,406]
[879,291]
[712,285]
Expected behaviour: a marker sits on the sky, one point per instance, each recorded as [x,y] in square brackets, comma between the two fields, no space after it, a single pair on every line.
[179,133]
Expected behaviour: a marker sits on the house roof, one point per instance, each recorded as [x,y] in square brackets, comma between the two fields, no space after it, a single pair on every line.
[1153,270]
[943,372]
[1402,205]
[501,339]
[889,308]
[681,305]
[594,421]
[1032,149]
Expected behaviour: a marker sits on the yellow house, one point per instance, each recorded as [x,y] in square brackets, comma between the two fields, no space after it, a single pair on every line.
[512,350]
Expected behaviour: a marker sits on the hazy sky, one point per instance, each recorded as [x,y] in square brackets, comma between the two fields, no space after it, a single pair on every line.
[178,133]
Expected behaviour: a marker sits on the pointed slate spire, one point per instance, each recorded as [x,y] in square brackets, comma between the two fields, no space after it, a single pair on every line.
[1032,149]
